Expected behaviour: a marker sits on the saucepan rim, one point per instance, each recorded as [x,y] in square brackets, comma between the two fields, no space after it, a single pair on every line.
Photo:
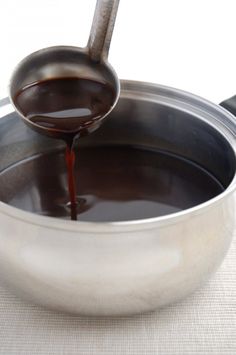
[227,127]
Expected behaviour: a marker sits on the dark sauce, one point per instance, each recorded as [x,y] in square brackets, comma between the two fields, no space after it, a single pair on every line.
[66,108]
[113,183]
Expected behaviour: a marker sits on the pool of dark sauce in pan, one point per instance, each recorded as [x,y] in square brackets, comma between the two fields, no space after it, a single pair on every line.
[110,183]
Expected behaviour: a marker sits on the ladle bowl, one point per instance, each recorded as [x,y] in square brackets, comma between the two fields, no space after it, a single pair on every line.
[72,62]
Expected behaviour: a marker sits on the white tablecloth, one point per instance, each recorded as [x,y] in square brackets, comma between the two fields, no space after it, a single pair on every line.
[205,323]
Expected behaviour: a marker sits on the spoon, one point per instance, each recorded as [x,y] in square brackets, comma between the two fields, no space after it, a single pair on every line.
[71,62]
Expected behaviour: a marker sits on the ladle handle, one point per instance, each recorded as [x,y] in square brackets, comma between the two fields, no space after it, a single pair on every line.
[102,29]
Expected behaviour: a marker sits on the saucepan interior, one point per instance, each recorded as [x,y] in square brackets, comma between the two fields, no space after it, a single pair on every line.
[149,117]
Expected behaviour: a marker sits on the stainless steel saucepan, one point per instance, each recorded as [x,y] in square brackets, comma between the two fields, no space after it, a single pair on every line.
[134,266]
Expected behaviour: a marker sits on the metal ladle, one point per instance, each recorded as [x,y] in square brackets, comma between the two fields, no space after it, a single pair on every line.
[68,61]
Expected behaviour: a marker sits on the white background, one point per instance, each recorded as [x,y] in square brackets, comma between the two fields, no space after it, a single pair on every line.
[188,44]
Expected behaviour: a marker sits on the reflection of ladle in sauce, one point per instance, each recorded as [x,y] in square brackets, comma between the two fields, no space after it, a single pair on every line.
[66,92]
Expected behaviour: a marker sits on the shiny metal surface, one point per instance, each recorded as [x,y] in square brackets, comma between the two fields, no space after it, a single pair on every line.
[68,61]
[125,267]
[102,28]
